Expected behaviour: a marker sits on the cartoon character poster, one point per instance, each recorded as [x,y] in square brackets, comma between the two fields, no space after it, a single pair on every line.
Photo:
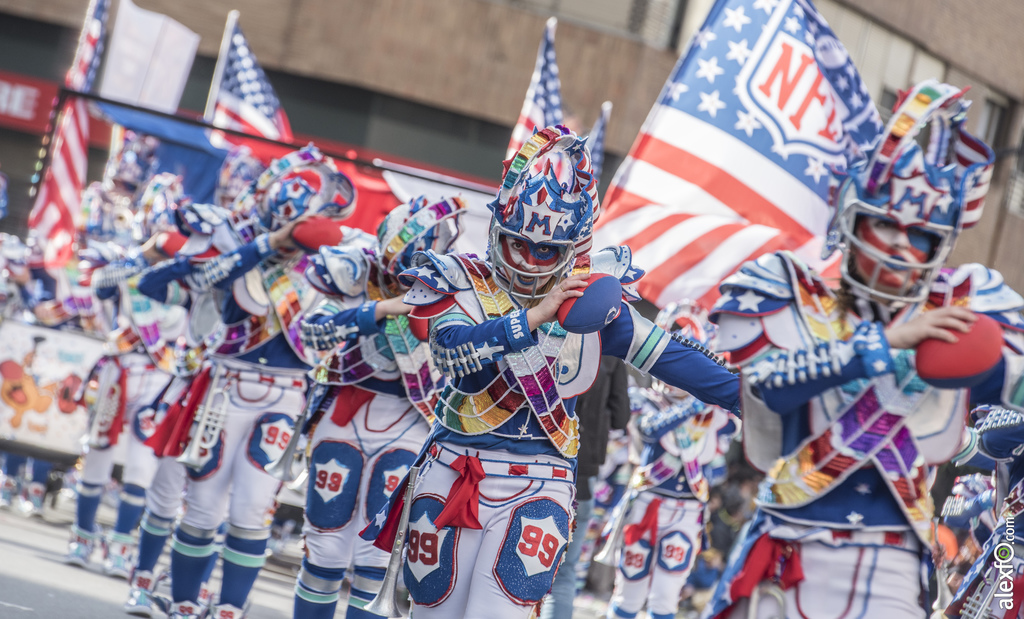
[41,374]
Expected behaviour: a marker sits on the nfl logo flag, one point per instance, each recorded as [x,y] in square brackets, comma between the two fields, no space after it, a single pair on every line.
[543,104]
[242,97]
[733,160]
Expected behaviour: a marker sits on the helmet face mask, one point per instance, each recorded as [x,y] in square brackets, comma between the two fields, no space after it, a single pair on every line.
[240,168]
[527,268]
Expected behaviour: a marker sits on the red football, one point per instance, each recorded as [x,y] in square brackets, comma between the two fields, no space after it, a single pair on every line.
[599,305]
[313,233]
[964,364]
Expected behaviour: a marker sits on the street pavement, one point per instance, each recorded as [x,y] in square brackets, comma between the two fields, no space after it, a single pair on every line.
[35,582]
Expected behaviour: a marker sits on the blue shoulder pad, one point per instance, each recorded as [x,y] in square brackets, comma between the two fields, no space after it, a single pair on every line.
[340,271]
[200,218]
[760,287]
[991,295]
[441,273]
[618,262]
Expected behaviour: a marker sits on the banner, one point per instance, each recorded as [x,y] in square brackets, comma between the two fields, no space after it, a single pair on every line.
[41,372]
[149,59]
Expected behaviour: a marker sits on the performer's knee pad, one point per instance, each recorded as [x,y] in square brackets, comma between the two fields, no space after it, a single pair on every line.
[319,585]
[156,525]
[194,542]
[246,547]
[133,495]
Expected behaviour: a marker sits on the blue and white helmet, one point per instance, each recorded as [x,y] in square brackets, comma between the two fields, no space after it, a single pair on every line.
[240,169]
[928,194]
[301,182]
[552,221]
[154,212]
[418,225]
[133,163]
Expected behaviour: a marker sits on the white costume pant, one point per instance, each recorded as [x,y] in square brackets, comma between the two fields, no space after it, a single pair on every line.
[258,416]
[354,469]
[655,571]
[166,492]
[847,582]
[143,384]
[502,570]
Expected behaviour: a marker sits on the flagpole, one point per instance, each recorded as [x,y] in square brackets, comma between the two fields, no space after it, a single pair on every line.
[222,58]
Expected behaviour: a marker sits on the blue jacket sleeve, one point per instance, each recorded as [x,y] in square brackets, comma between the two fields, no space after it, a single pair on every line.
[159,281]
[787,379]
[329,326]
[643,345]
[511,333]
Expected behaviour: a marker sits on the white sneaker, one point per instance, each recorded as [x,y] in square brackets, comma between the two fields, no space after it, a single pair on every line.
[80,547]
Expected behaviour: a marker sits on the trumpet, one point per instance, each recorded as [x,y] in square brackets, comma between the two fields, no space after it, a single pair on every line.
[210,421]
[387,604]
[290,467]
[773,591]
[979,604]
[108,397]
[637,484]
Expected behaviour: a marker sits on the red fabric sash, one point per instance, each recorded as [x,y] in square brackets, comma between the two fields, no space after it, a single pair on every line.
[171,435]
[769,559]
[648,525]
[350,399]
[462,508]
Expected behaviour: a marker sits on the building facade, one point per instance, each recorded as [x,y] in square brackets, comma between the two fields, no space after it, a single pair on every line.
[442,81]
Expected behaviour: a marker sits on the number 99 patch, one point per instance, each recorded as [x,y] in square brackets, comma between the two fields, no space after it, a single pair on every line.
[532,549]
[430,567]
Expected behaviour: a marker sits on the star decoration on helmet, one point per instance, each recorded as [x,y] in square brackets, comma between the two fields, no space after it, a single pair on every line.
[916,191]
[540,222]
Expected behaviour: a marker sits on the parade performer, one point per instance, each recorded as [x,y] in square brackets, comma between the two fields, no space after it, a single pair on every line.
[245,399]
[994,586]
[663,516]
[492,500]
[164,497]
[379,407]
[834,412]
[140,359]
[970,506]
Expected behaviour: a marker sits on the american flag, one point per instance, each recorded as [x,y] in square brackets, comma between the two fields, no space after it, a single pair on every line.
[733,160]
[58,204]
[245,99]
[595,140]
[543,104]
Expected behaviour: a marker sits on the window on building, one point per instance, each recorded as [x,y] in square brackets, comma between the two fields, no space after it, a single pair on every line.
[886,102]
[990,124]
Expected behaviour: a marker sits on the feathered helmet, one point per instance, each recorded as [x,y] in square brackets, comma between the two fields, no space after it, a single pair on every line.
[417,226]
[155,211]
[133,162]
[554,221]
[301,182]
[239,170]
[688,322]
[930,195]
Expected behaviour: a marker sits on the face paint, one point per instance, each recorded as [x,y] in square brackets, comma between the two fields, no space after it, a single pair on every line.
[528,258]
[912,246]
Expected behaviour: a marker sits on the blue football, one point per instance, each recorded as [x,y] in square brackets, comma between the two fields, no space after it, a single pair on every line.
[599,305]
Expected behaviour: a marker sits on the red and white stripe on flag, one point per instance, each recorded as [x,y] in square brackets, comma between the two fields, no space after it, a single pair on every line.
[733,160]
